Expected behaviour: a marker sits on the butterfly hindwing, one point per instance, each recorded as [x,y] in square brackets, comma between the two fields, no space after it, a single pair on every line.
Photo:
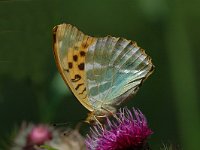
[70,48]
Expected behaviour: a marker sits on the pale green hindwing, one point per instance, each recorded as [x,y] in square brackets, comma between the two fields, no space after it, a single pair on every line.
[115,68]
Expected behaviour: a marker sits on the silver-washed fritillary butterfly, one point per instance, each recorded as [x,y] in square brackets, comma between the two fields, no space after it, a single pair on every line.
[101,72]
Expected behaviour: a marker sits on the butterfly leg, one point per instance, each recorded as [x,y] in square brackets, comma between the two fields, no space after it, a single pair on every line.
[99,123]
[110,112]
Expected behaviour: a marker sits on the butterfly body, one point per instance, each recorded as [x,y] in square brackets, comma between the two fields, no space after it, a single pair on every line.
[101,72]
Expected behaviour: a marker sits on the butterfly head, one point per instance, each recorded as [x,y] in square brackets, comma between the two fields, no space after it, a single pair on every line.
[94,119]
[99,115]
[90,118]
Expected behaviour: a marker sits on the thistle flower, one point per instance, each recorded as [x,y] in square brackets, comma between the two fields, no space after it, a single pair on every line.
[40,137]
[31,135]
[124,133]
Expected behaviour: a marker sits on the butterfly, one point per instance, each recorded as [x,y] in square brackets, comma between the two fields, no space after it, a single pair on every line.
[100,71]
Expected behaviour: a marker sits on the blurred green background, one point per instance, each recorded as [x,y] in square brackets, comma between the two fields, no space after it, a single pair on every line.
[31,88]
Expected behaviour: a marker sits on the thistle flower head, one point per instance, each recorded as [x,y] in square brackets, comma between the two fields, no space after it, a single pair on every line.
[39,134]
[126,132]
[39,137]
[31,135]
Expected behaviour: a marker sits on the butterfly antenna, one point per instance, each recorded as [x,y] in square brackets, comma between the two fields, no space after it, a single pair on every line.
[59,124]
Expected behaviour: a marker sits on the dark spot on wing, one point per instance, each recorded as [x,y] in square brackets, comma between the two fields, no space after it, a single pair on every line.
[66,70]
[83,91]
[76,78]
[75,57]
[82,53]
[77,87]
[85,45]
[81,66]
[70,65]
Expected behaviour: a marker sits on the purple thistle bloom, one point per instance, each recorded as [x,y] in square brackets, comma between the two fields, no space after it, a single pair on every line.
[127,132]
